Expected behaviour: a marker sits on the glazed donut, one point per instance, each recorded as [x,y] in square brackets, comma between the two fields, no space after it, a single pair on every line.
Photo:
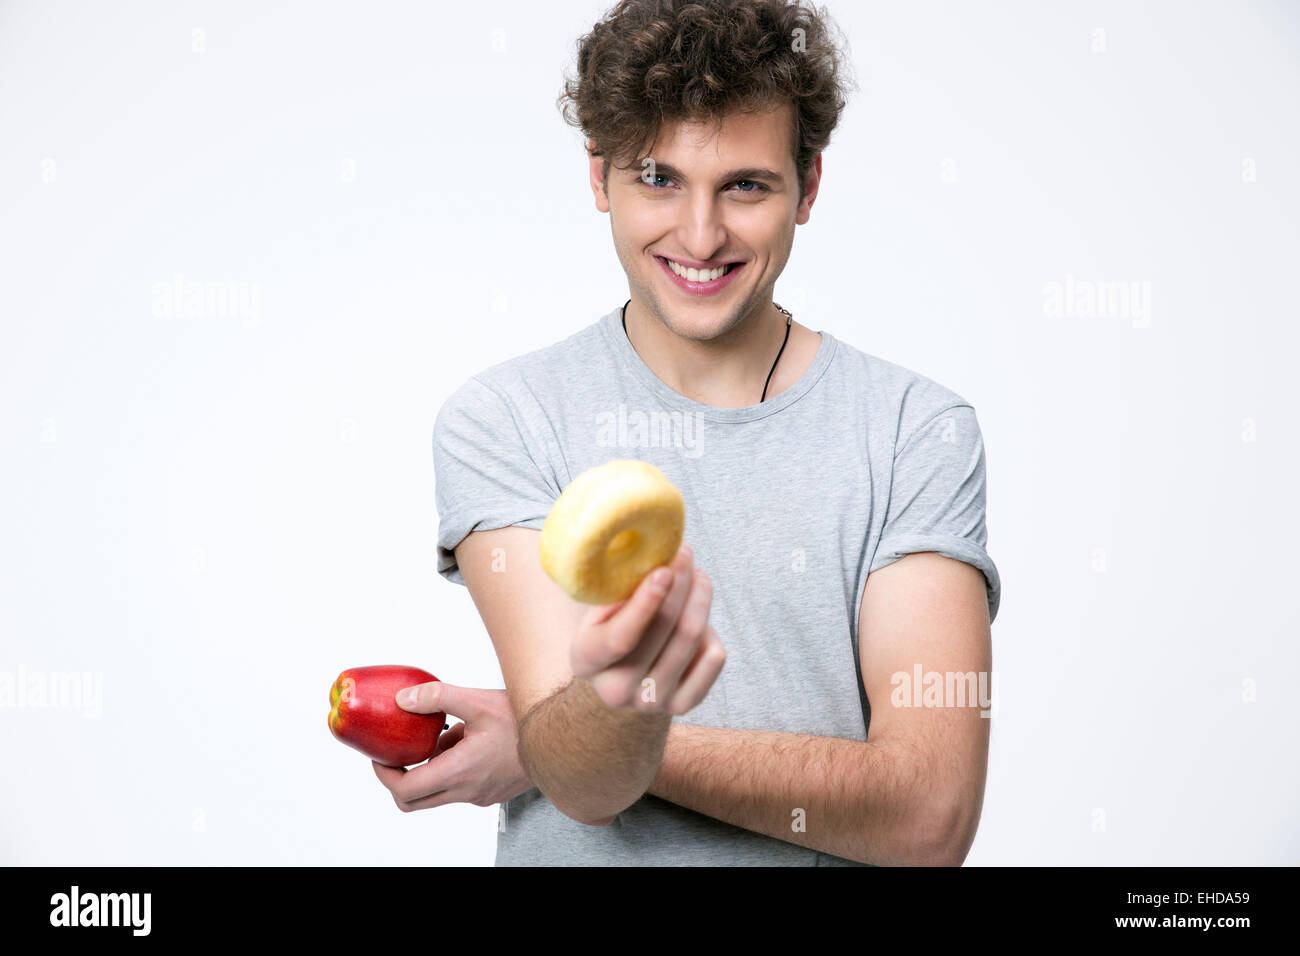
[612,525]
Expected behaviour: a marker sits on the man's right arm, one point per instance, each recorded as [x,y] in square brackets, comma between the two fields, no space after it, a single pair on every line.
[619,754]
[591,760]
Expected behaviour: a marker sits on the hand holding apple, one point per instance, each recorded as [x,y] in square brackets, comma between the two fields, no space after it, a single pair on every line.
[364,714]
[477,760]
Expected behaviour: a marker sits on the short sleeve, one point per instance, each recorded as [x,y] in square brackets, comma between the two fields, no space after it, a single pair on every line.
[486,474]
[937,498]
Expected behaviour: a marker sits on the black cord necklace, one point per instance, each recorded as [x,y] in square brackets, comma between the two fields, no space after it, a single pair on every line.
[789,318]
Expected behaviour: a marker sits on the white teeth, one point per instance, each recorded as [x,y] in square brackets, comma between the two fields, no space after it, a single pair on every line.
[697,275]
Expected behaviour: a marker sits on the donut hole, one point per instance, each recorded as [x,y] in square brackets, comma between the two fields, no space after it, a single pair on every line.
[623,544]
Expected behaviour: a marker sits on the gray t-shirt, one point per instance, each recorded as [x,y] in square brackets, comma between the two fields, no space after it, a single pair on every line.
[790,504]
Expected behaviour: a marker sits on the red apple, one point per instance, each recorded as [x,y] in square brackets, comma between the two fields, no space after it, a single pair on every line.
[364,714]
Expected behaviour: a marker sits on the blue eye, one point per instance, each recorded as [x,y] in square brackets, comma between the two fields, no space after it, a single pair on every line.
[757,187]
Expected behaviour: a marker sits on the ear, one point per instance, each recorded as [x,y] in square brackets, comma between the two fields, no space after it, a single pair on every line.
[810,193]
[596,164]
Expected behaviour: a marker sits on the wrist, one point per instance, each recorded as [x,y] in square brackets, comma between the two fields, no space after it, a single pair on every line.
[592,761]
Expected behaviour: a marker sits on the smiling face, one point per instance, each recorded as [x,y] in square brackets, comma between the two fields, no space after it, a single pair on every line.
[708,197]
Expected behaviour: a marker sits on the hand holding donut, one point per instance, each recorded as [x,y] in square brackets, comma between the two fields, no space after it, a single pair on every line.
[655,651]
[647,644]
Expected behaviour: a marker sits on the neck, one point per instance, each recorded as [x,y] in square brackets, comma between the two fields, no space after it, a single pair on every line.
[727,370]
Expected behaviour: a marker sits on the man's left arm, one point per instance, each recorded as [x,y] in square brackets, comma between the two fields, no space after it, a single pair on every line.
[912,792]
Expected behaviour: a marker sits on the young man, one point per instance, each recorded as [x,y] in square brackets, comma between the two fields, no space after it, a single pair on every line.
[834,508]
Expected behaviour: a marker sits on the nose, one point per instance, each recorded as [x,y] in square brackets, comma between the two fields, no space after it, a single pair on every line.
[701,231]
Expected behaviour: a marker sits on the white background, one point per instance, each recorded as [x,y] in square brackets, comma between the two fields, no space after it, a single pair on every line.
[217,514]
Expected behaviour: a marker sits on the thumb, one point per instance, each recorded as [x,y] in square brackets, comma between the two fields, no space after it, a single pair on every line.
[427,698]
[438,695]
[629,620]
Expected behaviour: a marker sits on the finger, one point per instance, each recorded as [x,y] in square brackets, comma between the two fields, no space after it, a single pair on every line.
[388,776]
[680,650]
[434,776]
[700,675]
[449,738]
[633,616]
[434,696]
[435,800]
[650,636]
[627,680]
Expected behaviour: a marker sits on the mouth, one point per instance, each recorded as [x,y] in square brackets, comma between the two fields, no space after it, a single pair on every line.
[700,281]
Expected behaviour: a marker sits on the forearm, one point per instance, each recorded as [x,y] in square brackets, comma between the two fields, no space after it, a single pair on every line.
[592,761]
[862,801]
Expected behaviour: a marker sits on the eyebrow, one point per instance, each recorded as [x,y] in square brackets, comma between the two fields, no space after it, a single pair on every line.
[749,172]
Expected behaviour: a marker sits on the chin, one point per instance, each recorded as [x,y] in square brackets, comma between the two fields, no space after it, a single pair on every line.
[700,325]
[699,328]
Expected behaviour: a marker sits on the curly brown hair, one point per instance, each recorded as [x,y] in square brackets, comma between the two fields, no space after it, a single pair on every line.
[655,61]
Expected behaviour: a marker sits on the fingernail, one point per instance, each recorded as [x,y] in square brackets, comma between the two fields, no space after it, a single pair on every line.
[411,697]
[661,579]
[685,550]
